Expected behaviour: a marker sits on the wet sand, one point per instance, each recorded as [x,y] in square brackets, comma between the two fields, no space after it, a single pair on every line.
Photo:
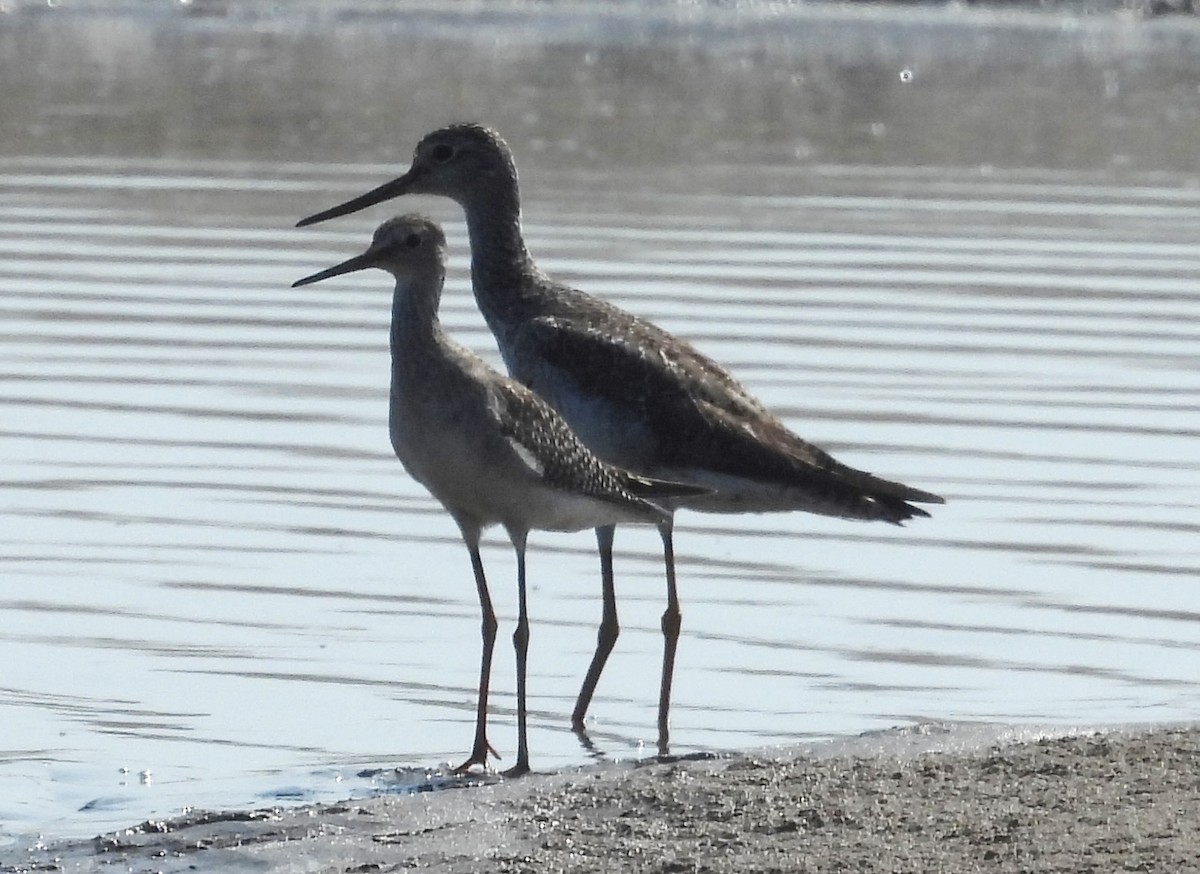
[926,798]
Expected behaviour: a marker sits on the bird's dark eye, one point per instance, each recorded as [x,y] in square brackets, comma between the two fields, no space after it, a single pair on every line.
[441,153]
[412,241]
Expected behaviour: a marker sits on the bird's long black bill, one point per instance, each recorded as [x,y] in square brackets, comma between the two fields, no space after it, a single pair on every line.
[386,191]
[358,262]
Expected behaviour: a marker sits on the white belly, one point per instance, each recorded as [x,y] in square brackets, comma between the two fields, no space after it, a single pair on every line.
[476,471]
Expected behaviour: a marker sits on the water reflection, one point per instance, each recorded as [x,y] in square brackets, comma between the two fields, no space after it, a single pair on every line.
[212,567]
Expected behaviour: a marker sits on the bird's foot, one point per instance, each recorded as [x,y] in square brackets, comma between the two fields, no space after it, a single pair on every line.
[586,741]
[479,756]
[520,769]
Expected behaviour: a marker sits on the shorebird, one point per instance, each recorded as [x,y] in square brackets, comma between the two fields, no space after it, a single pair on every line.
[489,449]
[639,397]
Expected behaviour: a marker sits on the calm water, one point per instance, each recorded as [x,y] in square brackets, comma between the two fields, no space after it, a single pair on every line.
[968,263]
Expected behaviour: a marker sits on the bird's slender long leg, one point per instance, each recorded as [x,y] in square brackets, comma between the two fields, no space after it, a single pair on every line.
[521,645]
[606,637]
[481,747]
[672,619]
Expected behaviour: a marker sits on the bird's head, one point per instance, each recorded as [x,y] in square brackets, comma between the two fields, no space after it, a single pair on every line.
[410,247]
[458,162]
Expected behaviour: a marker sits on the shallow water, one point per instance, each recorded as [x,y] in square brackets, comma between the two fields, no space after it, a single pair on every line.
[972,270]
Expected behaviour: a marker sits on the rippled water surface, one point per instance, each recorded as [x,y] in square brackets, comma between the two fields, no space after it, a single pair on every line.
[968,264]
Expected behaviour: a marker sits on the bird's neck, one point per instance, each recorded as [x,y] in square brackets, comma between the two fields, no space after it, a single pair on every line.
[416,331]
[503,274]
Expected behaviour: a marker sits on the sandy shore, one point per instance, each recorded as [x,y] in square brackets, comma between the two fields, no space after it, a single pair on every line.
[927,798]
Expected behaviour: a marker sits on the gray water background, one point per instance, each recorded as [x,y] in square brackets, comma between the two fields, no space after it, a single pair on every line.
[956,248]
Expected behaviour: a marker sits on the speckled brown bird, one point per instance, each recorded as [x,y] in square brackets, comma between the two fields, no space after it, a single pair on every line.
[489,449]
[639,397]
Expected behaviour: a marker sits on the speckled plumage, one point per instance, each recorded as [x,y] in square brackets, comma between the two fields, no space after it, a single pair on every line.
[636,395]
